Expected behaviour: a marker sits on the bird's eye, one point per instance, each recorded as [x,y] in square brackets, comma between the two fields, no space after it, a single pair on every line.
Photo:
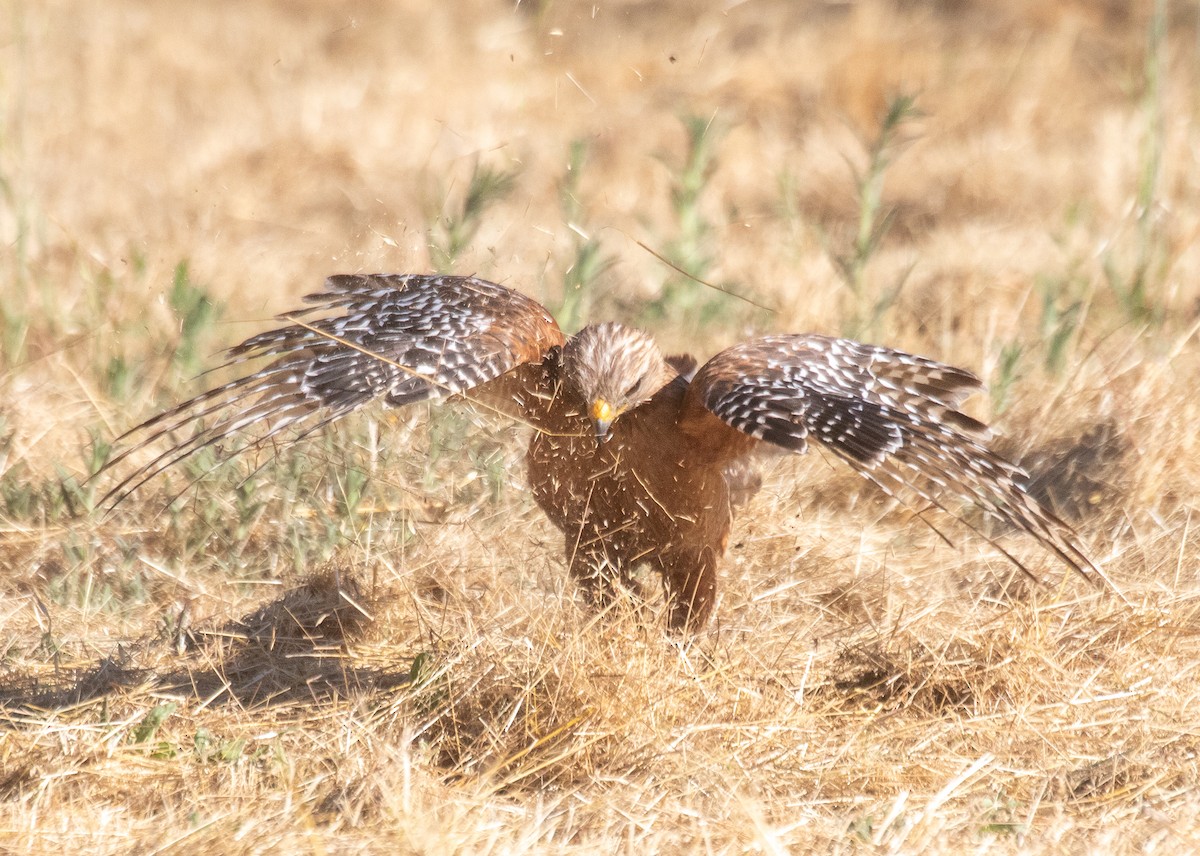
[633,388]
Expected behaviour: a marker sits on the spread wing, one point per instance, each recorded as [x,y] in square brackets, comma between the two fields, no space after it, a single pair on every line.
[891,416]
[405,338]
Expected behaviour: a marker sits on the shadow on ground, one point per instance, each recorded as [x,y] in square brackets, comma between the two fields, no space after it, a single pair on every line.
[291,649]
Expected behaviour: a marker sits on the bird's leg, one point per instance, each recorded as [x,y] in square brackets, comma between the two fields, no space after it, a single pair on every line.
[595,574]
[603,577]
[690,577]
[631,584]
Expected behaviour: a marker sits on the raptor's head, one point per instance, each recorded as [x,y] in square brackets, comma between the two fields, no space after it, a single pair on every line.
[614,369]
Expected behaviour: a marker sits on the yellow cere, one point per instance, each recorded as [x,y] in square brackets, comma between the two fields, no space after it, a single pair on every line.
[602,411]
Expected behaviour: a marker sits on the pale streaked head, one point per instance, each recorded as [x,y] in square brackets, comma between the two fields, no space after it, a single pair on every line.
[614,369]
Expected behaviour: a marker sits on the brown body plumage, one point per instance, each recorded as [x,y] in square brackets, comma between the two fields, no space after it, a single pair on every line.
[633,457]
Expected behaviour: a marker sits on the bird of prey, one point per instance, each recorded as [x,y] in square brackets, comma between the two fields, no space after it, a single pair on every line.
[637,457]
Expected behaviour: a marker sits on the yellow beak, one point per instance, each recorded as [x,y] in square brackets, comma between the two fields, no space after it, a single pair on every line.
[602,417]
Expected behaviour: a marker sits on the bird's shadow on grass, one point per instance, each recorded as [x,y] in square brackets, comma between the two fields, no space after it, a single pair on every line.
[289,650]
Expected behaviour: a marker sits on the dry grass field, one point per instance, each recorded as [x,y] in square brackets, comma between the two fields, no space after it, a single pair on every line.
[366,643]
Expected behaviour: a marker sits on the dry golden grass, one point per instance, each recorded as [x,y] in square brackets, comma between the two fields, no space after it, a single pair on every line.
[296,667]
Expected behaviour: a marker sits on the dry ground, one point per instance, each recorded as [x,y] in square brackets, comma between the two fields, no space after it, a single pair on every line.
[370,645]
